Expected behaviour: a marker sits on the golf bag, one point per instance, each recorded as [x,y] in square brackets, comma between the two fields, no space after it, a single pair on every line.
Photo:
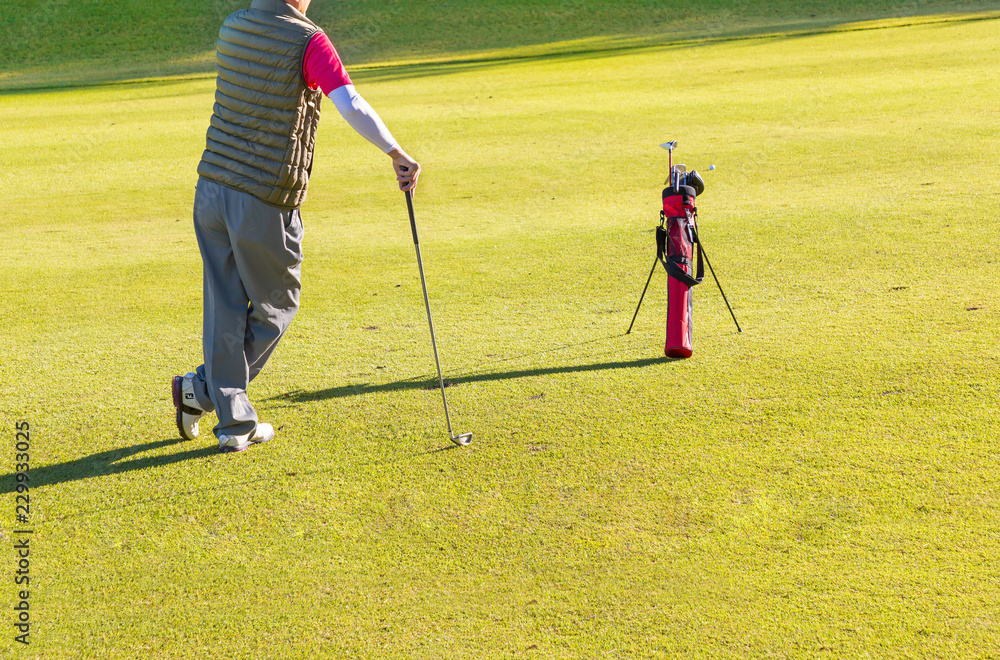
[678,249]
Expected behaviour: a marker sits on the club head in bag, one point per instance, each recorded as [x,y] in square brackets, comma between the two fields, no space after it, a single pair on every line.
[694,180]
[677,173]
[670,146]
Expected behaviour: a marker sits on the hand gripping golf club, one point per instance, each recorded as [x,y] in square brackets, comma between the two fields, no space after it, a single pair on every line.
[464,438]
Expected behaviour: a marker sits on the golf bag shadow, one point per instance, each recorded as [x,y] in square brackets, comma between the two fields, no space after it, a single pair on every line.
[677,246]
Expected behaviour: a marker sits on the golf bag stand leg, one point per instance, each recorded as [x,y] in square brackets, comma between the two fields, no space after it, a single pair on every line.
[655,259]
[712,270]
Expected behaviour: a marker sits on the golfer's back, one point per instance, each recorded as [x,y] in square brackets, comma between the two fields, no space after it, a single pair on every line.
[263,127]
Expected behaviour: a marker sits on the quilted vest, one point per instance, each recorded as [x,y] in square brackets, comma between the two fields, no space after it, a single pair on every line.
[263,128]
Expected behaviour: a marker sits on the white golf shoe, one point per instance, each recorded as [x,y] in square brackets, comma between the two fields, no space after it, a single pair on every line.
[188,410]
[231,443]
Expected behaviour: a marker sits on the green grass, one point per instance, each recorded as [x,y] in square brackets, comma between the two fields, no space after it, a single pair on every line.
[58,42]
[823,485]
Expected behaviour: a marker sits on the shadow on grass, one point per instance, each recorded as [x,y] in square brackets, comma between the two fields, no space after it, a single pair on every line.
[113,461]
[432,383]
[83,468]
[128,459]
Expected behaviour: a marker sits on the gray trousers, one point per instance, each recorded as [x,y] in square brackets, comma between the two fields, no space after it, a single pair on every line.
[252,255]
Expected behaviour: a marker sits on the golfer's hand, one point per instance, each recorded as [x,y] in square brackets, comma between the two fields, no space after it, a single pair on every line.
[407,169]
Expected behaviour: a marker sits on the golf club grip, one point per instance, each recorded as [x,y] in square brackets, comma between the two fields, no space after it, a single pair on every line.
[413,221]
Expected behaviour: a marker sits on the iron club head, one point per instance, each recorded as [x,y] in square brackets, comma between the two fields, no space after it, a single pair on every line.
[462,440]
[669,146]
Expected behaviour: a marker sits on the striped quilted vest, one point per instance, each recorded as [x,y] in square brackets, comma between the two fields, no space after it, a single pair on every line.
[263,128]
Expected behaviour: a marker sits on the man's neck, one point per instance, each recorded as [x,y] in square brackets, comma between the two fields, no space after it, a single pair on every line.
[299,5]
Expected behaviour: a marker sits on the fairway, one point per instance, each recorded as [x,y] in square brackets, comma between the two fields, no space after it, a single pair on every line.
[824,484]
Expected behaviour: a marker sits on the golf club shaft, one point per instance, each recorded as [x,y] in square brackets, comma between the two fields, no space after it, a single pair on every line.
[655,259]
[427,304]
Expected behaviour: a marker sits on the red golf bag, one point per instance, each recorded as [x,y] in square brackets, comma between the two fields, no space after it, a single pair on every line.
[679,249]
[676,245]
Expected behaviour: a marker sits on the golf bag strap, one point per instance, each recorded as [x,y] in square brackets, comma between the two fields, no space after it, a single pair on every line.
[671,263]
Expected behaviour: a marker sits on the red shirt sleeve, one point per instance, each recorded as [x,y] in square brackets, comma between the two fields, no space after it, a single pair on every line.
[322,67]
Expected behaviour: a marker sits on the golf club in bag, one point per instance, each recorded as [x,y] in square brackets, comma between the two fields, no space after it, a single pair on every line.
[463,438]
[683,256]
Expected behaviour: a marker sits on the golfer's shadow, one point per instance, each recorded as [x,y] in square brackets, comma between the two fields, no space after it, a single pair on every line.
[431,383]
[113,461]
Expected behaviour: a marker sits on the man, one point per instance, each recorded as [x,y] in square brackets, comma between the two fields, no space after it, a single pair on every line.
[274,66]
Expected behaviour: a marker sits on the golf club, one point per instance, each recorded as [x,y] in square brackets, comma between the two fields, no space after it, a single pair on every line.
[464,438]
[695,180]
[670,146]
[678,175]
